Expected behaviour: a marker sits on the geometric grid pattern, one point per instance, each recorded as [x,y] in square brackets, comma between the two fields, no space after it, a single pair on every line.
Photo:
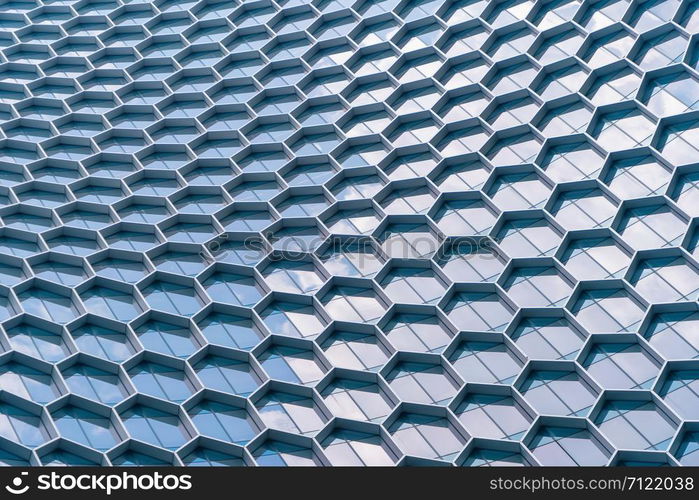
[349,232]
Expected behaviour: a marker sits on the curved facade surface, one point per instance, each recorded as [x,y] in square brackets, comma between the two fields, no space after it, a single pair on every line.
[349,232]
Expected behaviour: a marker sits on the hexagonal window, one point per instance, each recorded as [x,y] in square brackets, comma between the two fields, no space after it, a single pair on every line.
[86,427]
[175,298]
[572,446]
[223,421]
[293,276]
[39,341]
[666,279]
[547,336]
[663,50]
[671,333]
[408,241]
[483,456]
[558,392]
[608,310]
[464,217]
[471,260]
[422,382]
[295,413]
[625,129]
[12,272]
[480,309]
[296,238]
[139,240]
[111,303]
[528,237]
[95,384]
[407,200]
[679,391]
[595,258]
[170,337]
[125,270]
[428,436]
[635,424]
[357,399]
[686,451]
[637,176]
[583,209]
[485,362]
[63,458]
[677,142]
[22,426]
[102,341]
[133,458]
[155,426]
[652,226]
[38,301]
[247,220]
[412,331]
[519,191]
[293,319]
[494,416]
[413,285]
[161,381]
[279,453]
[189,232]
[671,94]
[228,375]
[354,259]
[573,161]
[292,364]
[207,457]
[233,288]
[230,330]
[537,286]
[621,365]
[685,192]
[349,447]
[355,220]
[29,383]
[358,350]
[353,303]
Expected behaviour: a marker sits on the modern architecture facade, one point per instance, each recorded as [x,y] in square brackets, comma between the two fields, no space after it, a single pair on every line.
[349,232]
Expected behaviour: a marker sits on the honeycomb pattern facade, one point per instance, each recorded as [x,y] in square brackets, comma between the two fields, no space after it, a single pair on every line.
[349,232]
